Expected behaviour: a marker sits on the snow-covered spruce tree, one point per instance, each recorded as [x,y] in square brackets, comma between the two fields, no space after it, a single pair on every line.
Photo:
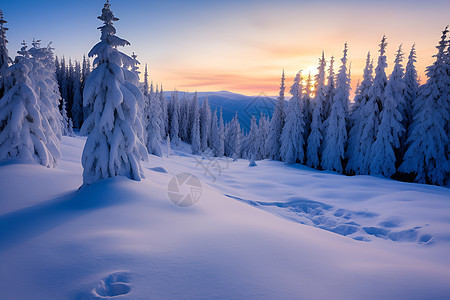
[205,124]
[355,149]
[184,118]
[411,91]
[145,86]
[77,106]
[336,132]
[383,151]
[165,114]
[221,146]
[65,119]
[370,113]
[112,147]
[252,141]
[44,83]
[233,139]
[195,123]
[215,135]
[152,130]
[329,90]
[307,105]
[22,132]
[263,126]
[292,137]
[314,141]
[5,60]
[174,120]
[428,153]
[276,125]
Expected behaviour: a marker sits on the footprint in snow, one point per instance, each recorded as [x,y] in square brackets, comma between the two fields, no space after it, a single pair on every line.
[112,286]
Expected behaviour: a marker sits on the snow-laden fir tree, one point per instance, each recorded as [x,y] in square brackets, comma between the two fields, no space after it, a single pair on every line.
[411,90]
[263,126]
[314,141]
[292,137]
[233,139]
[112,147]
[384,150]
[175,117]
[428,153]
[145,86]
[307,105]
[215,135]
[205,124]
[329,90]
[184,117]
[65,119]
[276,125]
[44,83]
[5,60]
[77,105]
[195,123]
[370,113]
[355,148]
[252,141]
[221,141]
[164,122]
[135,64]
[336,132]
[23,135]
[152,122]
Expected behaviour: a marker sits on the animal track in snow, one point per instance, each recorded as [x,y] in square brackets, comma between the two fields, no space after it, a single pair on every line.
[354,224]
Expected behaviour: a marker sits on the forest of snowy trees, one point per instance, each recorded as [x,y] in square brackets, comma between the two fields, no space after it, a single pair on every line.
[393,127]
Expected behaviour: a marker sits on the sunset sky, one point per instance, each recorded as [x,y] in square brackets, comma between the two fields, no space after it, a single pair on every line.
[239,46]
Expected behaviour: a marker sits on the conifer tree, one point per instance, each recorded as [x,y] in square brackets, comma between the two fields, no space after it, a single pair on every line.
[215,135]
[165,113]
[387,143]
[221,146]
[24,134]
[263,126]
[370,113]
[205,124]
[329,90]
[411,90]
[315,138]
[145,87]
[276,125]
[77,106]
[152,130]
[5,60]
[355,148]
[307,106]
[252,141]
[292,138]
[195,123]
[174,120]
[112,147]
[428,153]
[336,131]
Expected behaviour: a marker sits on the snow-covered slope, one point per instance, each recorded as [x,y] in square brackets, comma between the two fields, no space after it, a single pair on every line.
[243,239]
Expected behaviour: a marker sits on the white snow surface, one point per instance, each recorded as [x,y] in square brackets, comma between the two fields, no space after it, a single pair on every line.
[243,239]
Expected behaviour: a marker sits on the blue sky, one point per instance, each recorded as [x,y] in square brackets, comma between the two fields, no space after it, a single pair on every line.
[233,45]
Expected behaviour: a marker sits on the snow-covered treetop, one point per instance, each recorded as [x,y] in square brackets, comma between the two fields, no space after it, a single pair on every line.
[3,29]
[134,65]
[106,50]
[440,56]
[282,87]
[382,64]
[296,88]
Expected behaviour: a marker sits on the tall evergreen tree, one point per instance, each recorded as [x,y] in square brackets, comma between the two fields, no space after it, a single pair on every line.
[252,140]
[205,124]
[383,151]
[411,89]
[329,90]
[195,123]
[174,120]
[5,60]
[113,147]
[371,110]
[77,106]
[292,138]
[355,147]
[24,132]
[428,153]
[276,125]
[336,131]
[152,125]
[314,141]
